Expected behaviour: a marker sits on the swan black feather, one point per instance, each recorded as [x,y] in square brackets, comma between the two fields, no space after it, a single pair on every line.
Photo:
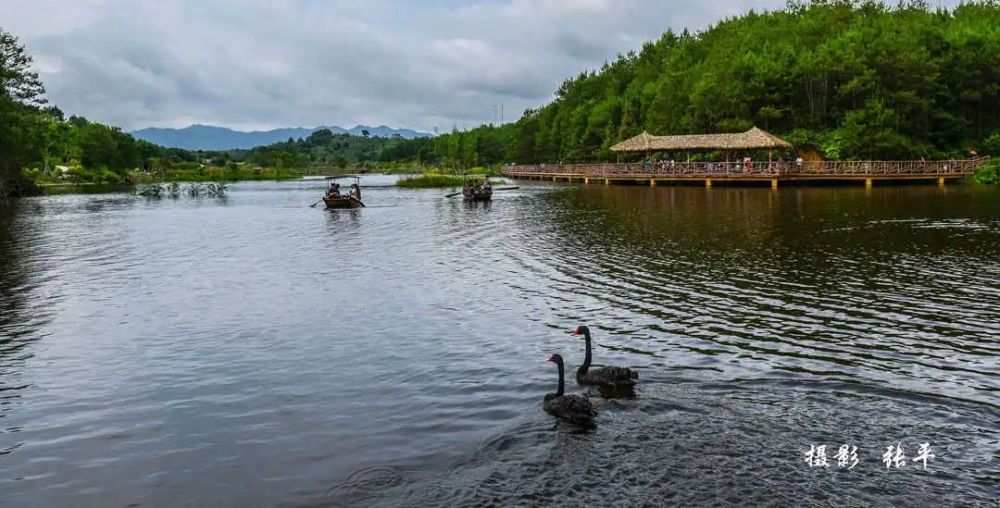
[573,408]
[613,378]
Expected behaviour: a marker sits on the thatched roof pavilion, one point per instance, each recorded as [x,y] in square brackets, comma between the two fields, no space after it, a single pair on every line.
[753,139]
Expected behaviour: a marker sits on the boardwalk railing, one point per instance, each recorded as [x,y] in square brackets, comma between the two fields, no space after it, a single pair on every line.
[765,169]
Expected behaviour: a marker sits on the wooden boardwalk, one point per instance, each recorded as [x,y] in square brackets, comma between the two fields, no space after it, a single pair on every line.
[773,172]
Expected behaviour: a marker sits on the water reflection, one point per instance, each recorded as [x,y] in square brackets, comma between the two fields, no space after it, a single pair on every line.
[813,274]
[349,216]
[268,353]
[18,322]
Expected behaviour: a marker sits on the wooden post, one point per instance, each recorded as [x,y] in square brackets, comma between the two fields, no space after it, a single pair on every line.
[708,183]
[652,182]
[607,181]
[586,180]
[774,183]
[868,183]
[941,182]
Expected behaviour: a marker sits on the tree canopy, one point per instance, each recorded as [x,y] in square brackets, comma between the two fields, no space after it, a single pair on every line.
[850,79]
[20,126]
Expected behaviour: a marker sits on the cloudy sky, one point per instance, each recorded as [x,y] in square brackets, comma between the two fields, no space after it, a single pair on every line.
[252,64]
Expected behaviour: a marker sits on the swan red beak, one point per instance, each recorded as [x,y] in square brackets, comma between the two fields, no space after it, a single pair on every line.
[551,359]
[576,331]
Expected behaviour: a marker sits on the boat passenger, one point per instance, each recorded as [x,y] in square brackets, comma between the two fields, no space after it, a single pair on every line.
[355,191]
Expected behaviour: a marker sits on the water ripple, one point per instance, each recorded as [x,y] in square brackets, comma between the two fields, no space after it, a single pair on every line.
[255,351]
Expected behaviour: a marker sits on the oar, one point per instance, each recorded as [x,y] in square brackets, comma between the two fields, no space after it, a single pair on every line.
[453,194]
[507,188]
[316,203]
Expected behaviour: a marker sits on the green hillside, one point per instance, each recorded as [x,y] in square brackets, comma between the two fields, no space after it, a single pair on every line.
[853,80]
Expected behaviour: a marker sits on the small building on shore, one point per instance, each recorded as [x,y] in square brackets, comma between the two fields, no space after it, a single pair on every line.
[752,140]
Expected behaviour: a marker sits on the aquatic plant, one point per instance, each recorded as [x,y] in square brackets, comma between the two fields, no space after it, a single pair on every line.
[431,180]
[216,189]
[174,190]
[151,190]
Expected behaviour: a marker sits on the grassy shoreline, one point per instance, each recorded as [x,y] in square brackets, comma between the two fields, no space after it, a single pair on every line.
[427,180]
[431,181]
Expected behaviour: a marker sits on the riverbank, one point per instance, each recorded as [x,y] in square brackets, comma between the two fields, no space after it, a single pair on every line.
[58,189]
[219,174]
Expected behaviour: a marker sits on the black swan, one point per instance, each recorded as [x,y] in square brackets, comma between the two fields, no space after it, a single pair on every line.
[606,378]
[572,408]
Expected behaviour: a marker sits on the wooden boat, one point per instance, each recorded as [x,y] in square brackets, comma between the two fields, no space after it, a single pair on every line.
[342,202]
[349,200]
[473,195]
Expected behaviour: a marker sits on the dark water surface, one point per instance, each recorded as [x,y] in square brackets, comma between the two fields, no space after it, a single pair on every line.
[257,352]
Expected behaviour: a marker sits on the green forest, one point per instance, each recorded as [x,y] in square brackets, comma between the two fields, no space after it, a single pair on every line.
[848,79]
[852,80]
[323,148]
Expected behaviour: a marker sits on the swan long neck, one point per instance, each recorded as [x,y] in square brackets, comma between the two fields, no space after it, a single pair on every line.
[586,358]
[562,381]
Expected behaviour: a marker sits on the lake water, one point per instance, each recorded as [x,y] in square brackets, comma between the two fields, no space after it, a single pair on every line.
[258,352]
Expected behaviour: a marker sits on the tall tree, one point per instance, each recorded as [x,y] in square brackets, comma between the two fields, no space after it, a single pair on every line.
[17,81]
[21,125]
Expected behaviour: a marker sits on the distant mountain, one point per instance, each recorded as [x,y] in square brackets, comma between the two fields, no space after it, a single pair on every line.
[208,137]
[383,132]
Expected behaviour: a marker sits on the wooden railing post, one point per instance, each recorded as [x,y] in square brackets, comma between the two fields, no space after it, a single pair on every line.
[762,170]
